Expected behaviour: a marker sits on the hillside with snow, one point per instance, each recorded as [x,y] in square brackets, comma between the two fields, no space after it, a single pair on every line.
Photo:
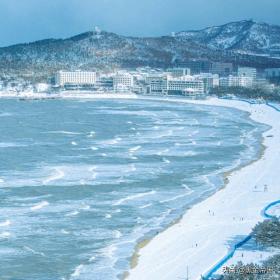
[244,42]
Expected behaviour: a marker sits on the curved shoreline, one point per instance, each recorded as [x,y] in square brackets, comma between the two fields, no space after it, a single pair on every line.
[145,241]
[140,245]
[157,247]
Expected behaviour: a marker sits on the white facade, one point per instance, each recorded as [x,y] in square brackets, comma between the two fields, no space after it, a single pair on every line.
[209,80]
[77,78]
[169,85]
[123,82]
[247,72]
[237,81]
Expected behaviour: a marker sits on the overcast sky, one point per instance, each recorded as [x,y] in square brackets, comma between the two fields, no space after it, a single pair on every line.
[29,20]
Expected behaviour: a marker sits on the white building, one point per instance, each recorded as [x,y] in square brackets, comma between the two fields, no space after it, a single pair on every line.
[186,85]
[237,81]
[247,72]
[178,72]
[75,78]
[209,80]
[123,81]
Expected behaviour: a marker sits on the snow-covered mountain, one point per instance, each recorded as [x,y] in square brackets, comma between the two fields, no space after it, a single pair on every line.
[244,42]
[244,36]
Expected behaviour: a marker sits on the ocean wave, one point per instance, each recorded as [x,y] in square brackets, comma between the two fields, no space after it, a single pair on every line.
[62,132]
[73,213]
[77,271]
[134,149]
[11,145]
[39,206]
[176,197]
[5,235]
[29,249]
[133,197]
[5,224]
[59,174]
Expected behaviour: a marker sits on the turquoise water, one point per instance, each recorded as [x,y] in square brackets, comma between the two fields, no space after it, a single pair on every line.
[81,182]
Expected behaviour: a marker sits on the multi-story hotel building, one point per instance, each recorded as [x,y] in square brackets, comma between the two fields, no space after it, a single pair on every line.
[168,85]
[123,81]
[75,78]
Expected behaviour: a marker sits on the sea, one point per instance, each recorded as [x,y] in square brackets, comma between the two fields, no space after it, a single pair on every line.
[82,182]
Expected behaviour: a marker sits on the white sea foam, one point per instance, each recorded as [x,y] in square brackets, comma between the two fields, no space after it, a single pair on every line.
[165,160]
[93,148]
[73,213]
[85,207]
[169,133]
[63,132]
[132,156]
[2,181]
[109,251]
[91,134]
[133,197]
[162,152]
[59,174]
[77,271]
[117,234]
[5,224]
[132,168]
[176,197]
[145,206]
[108,216]
[134,149]
[82,182]
[112,141]
[11,145]
[74,143]
[190,153]
[39,206]
[5,114]
[29,249]
[65,231]
[5,234]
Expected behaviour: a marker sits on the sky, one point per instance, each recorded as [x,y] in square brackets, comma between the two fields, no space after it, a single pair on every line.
[30,20]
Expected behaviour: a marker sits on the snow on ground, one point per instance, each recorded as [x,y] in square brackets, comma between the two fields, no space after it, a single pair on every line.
[206,232]
[67,94]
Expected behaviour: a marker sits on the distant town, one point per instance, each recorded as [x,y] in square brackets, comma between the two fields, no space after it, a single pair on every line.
[195,78]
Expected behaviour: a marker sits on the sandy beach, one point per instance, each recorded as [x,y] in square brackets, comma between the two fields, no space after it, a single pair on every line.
[207,231]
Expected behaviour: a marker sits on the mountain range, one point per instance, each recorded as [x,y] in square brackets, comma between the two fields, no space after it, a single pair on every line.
[244,42]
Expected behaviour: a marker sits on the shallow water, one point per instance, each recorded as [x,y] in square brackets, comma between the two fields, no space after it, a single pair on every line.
[82,181]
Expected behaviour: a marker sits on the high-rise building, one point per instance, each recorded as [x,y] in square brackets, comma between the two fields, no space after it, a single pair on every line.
[221,68]
[123,81]
[247,72]
[75,78]
[196,66]
[185,85]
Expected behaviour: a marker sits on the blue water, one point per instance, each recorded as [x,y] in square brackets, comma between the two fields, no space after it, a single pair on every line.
[81,182]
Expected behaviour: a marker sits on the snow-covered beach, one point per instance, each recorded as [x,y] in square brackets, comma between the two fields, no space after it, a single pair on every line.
[207,231]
